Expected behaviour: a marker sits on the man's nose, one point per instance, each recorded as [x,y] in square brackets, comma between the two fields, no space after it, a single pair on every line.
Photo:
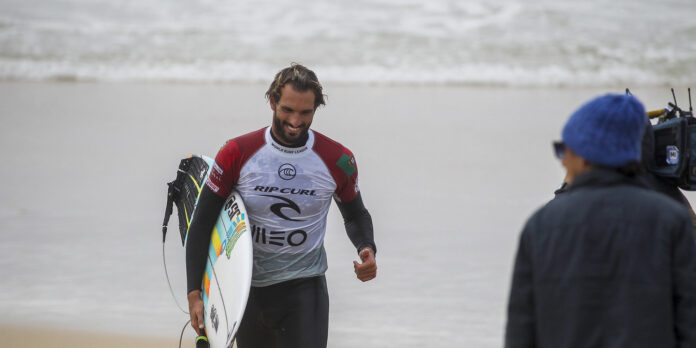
[295,119]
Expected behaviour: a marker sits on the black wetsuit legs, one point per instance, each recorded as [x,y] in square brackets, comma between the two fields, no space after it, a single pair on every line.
[291,314]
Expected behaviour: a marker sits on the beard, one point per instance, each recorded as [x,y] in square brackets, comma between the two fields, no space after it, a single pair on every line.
[287,138]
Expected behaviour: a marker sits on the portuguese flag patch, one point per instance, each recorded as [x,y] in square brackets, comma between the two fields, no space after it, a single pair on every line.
[347,164]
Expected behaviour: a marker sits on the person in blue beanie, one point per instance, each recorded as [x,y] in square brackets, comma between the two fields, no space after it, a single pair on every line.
[610,262]
[645,174]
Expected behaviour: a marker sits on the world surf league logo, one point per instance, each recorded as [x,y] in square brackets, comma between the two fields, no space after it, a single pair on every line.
[287,171]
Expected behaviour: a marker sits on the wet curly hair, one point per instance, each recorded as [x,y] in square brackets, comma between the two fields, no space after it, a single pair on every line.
[301,79]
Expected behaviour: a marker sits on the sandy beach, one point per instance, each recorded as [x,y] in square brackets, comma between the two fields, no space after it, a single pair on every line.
[24,336]
[448,173]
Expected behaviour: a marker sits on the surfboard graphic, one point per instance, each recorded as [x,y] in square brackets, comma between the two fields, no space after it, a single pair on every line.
[227,277]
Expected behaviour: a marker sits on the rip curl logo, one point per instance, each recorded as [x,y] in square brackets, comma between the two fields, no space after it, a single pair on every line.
[277,208]
[287,171]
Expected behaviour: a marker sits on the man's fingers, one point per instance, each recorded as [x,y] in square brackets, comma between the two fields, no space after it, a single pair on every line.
[196,311]
[194,323]
[364,267]
[197,321]
[367,270]
[201,324]
[366,277]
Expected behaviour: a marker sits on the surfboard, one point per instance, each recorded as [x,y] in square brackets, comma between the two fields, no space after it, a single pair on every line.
[227,277]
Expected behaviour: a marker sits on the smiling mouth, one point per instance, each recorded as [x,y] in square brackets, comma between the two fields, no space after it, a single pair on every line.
[293,129]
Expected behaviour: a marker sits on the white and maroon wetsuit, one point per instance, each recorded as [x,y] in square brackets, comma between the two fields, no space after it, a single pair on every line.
[287,193]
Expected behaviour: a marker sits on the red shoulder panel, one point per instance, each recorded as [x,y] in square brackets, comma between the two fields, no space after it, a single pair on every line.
[341,164]
[231,158]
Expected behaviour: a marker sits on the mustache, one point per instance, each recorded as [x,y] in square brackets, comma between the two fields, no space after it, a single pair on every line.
[301,125]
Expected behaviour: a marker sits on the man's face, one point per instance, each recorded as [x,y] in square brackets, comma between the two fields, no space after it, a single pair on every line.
[292,115]
[574,164]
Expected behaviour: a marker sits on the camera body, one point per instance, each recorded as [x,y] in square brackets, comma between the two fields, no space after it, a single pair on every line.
[675,151]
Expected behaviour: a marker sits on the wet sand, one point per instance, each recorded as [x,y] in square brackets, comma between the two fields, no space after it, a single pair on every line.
[26,337]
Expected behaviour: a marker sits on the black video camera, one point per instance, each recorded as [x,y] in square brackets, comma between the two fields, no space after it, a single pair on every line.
[675,145]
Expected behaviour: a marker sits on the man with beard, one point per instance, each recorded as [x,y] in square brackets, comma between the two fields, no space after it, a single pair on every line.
[287,175]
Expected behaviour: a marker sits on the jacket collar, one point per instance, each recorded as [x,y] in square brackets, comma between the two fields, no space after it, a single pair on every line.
[600,176]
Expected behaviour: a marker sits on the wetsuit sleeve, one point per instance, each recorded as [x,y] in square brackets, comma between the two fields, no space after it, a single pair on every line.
[205,215]
[358,223]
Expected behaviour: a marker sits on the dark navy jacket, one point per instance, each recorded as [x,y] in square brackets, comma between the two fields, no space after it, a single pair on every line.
[606,264]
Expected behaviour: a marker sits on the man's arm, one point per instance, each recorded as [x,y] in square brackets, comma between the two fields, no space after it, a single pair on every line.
[688,206]
[684,284]
[358,223]
[520,330]
[198,240]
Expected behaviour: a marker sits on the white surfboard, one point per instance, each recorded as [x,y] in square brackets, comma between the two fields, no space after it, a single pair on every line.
[227,277]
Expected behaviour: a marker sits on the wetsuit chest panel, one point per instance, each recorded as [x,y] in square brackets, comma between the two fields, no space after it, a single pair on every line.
[287,198]
[287,193]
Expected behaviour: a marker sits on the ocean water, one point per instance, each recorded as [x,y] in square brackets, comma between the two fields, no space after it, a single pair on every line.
[491,42]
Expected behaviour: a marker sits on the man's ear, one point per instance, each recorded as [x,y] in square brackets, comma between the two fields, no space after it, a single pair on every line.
[271,101]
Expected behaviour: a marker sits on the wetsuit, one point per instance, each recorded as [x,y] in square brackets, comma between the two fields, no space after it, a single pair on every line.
[287,192]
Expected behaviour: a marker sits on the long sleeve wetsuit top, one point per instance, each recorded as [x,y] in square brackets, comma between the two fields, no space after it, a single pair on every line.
[287,192]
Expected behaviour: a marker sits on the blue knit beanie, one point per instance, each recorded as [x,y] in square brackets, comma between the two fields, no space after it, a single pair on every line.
[607,130]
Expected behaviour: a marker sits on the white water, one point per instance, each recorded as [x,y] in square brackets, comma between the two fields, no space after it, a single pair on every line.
[491,42]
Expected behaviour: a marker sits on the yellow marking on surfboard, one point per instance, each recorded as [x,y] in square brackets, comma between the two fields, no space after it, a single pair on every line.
[188,221]
[195,183]
[215,239]
[239,226]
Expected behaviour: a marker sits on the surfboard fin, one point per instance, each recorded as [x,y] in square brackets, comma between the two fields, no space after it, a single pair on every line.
[183,192]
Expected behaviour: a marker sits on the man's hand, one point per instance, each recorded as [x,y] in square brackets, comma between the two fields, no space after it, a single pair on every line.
[367,270]
[196,310]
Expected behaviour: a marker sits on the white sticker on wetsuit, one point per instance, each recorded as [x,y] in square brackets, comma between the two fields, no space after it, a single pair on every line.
[672,154]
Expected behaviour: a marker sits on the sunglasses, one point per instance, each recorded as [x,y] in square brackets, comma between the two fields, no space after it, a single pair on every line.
[559,149]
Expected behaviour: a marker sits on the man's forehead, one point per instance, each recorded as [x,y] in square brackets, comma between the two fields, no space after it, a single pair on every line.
[291,94]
